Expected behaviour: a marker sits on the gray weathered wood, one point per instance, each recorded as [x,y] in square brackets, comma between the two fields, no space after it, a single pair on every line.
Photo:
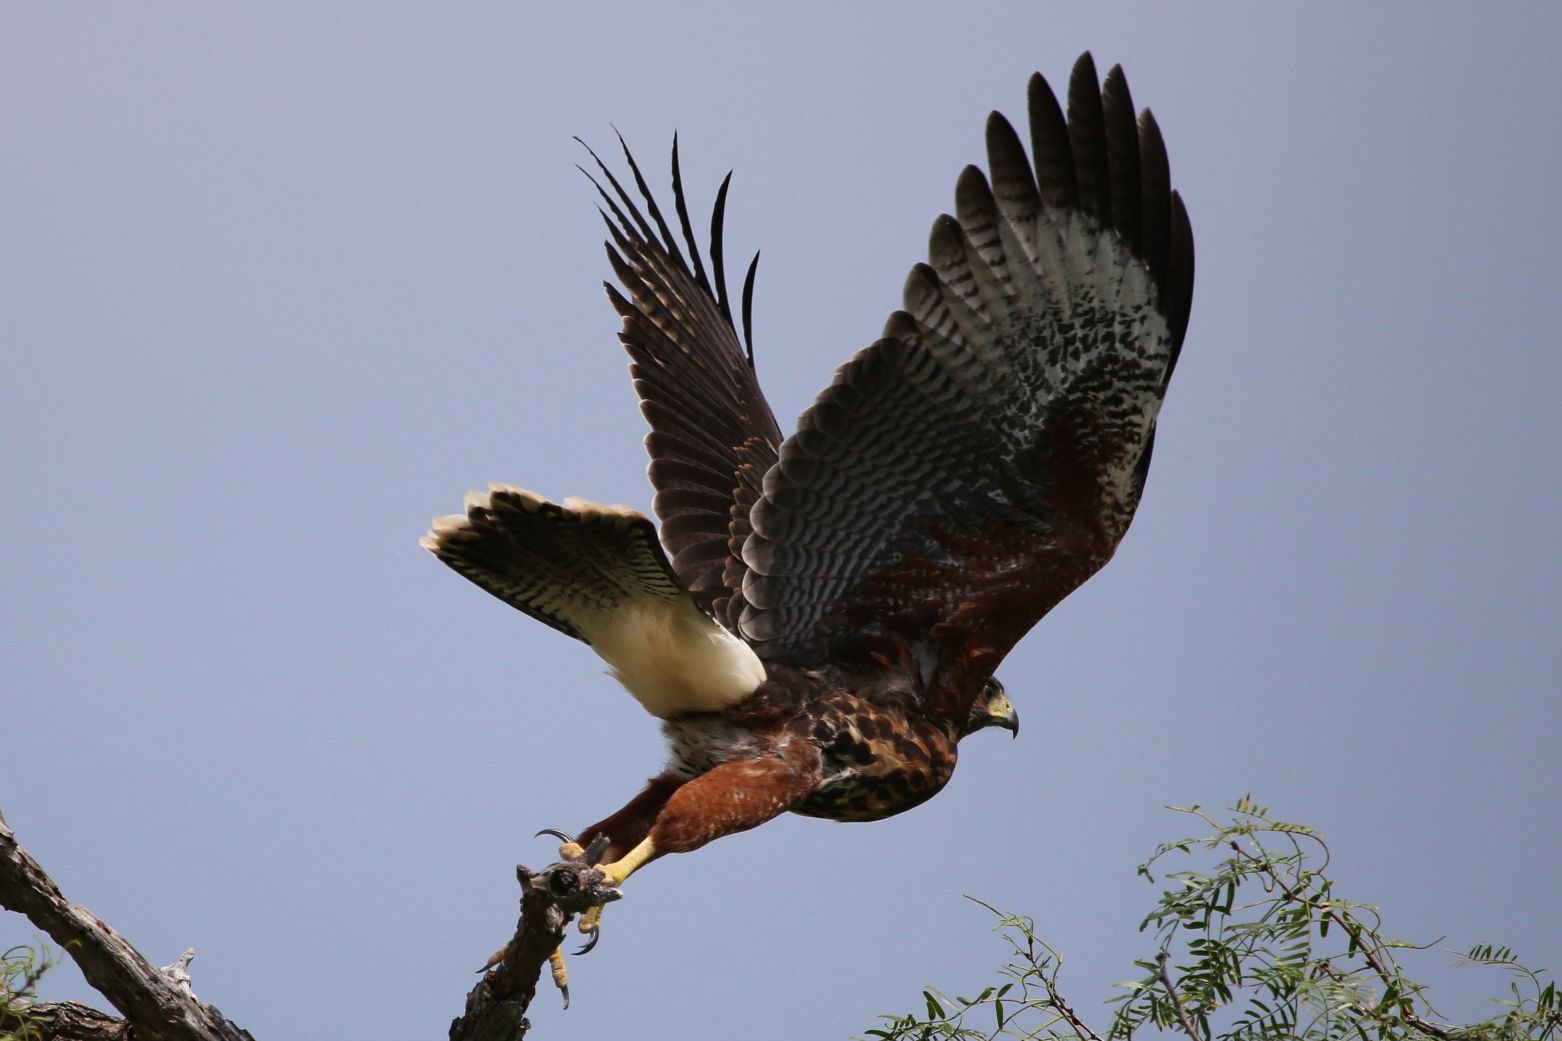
[158,1004]
[152,1003]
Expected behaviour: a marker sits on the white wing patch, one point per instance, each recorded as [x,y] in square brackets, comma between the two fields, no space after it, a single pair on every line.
[598,573]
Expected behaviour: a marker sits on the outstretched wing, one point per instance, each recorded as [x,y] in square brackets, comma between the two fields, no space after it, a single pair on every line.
[969,470]
[596,573]
[713,435]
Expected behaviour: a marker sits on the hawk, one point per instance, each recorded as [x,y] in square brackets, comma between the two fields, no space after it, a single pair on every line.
[818,618]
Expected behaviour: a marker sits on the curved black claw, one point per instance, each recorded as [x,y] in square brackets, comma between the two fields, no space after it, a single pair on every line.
[595,932]
[495,959]
[555,833]
[565,991]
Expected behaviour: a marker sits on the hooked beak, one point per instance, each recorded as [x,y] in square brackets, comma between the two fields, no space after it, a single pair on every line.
[1004,716]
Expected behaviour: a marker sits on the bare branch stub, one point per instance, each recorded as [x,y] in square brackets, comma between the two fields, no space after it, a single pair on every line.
[496,1007]
[179,972]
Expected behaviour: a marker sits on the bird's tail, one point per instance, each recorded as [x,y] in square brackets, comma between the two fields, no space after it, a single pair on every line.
[598,573]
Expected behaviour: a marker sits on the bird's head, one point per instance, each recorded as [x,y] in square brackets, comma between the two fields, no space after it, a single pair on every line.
[992,708]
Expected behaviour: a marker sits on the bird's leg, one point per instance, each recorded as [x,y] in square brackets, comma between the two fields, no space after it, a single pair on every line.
[733,797]
[675,816]
[627,828]
[629,863]
[624,830]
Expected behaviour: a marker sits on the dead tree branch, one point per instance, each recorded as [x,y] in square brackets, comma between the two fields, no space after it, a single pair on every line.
[496,1007]
[158,1004]
[68,1021]
[153,1004]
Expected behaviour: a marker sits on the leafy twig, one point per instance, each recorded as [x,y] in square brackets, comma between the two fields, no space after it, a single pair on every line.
[1363,944]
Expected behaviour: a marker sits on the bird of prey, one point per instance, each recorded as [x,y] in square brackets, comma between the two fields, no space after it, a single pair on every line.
[818,618]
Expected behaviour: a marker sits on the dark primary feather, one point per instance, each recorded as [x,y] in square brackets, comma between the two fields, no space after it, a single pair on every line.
[1050,146]
[966,472]
[711,427]
[1087,140]
[1122,150]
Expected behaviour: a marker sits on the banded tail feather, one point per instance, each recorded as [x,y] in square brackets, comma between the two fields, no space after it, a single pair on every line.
[598,573]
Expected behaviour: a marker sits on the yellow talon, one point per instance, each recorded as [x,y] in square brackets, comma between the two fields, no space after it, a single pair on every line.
[628,864]
[591,920]
[560,973]
[571,850]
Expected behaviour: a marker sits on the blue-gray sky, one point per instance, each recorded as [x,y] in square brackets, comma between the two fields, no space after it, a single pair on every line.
[279,284]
